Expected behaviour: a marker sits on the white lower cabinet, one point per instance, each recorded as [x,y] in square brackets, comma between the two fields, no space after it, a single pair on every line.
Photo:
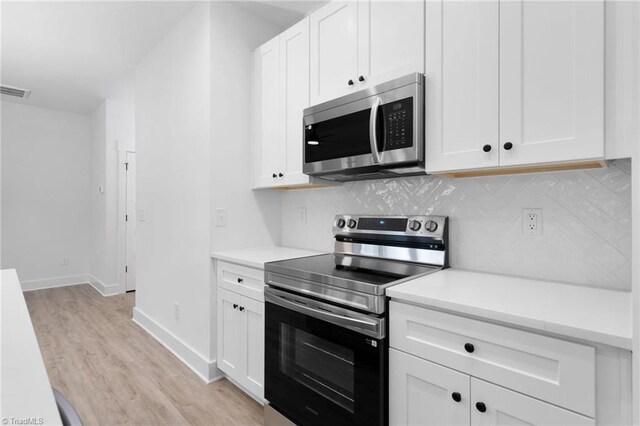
[240,328]
[424,393]
[448,369]
[495,405]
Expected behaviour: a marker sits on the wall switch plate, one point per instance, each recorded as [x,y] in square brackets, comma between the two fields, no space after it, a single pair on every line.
[65,261]
[142,215]
[176,311]
[532,221]
[221,218]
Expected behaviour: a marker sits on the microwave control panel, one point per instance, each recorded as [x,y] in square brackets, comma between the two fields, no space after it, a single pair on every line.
[398,124]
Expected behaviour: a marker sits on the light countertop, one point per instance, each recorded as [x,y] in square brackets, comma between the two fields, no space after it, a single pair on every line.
[257,257]
[584,313]
[26,391]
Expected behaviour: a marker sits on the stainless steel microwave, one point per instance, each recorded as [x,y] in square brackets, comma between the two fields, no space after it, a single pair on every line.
[374,133]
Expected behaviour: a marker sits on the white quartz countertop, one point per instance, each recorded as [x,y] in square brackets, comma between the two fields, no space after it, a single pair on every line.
[257,257]
[25,388]
[584,313]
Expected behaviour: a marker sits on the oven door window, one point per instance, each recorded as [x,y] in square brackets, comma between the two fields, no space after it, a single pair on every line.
[318,364]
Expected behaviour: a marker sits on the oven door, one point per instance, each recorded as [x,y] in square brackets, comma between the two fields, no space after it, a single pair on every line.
[381,128]
[318,369]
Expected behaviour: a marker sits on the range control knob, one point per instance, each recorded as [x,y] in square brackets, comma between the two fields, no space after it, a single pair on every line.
[352,223]
[415,225]
[340,222]
[431,226]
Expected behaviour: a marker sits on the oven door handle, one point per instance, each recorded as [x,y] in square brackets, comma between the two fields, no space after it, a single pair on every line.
[373,327]
[373,138]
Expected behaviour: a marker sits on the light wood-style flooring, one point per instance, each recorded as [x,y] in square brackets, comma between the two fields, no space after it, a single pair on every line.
[114,373]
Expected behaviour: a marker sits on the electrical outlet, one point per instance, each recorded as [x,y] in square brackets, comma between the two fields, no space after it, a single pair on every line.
[532,221]
[176,311]
[65,261]
[302,214]
[221,218]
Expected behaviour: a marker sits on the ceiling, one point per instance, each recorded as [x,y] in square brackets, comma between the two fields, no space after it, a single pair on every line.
[282,13]
[70,53]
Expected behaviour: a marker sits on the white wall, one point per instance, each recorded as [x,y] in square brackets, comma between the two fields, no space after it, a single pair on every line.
[253,216]
[172,110]
[586,220]
[111,127]
[98,169]
[45,192]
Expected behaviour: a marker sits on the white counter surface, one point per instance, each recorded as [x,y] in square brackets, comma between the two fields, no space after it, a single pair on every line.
[595,315]
[25,388]
[257,257]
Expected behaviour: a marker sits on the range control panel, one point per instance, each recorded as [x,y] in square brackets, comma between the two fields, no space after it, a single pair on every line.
[423,225]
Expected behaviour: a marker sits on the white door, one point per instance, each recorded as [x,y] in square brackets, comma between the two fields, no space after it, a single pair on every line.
[461,127]
[252,313]
[424,393]
[551,81]
[390,40]
[266,119]
[334,50]
[501,406]
[230,335]
[294,98]
[130,221]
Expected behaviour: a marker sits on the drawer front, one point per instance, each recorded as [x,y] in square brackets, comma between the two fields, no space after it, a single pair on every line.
[553,370]
[241,279]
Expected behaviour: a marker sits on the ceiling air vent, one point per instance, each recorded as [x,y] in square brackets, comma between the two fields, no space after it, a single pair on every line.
[14,91]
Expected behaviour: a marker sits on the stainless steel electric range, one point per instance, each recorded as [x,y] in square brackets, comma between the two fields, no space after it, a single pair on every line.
[325,318]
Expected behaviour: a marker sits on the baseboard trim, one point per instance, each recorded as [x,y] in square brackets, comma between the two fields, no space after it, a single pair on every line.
[32,285]
[103,289]
[203,368]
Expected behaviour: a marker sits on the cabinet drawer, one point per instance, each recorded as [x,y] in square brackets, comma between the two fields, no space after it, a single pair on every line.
[240,279]
[553,370]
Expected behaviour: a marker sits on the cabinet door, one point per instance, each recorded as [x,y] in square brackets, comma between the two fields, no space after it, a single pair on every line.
[505,407]
[422,393]
[390,40]
[252,336]
[267,142]
[230,351]
[551,81]
[461,103]
[294,98]
[334,50]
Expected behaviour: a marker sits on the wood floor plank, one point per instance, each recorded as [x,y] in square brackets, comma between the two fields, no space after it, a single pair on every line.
[114,373]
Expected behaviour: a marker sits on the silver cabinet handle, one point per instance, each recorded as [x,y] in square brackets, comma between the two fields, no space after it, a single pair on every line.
[373,118]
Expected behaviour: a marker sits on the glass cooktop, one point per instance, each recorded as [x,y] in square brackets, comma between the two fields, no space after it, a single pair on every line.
[364,274]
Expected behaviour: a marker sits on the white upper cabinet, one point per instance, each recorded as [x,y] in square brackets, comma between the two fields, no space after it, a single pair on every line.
[294,98]
[334,50]
[551,81]
[513,83]
[266,116]
[391,40]
[461,101]
[358,44]
[281,93]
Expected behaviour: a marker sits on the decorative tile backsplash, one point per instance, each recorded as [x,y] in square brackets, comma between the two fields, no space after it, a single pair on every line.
[586,220]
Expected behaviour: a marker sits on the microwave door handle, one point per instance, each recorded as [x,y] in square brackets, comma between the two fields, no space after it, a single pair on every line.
[373,139]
